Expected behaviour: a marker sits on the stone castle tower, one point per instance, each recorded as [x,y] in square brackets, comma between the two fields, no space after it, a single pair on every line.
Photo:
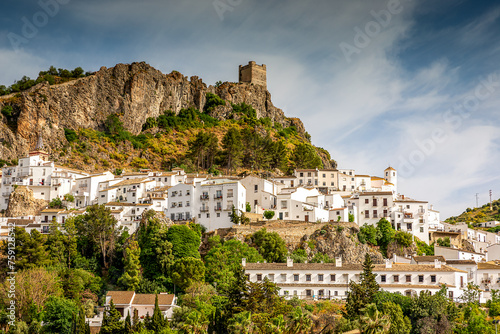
[253,73]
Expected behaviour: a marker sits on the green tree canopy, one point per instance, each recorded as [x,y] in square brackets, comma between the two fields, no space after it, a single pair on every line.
[185,242]
[186,271]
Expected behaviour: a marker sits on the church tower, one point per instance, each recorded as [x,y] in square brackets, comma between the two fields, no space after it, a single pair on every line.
[391,176]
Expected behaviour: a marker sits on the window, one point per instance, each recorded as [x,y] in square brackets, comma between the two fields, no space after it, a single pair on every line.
[256,188]
[321,293]
[408,278]
[188,192]
[421,278]
[309,174]
[374,213]
[324,184]
[187,203]
[421,229]
[286,292]
[374,202]
[320,277]
[259,277]
[102,196]
[367,201]
[332,183]
[433,278]
[450,294]
[218,214]
[383,278]
[301,174]
[408,226]
[396,278]
[308,293]
[385,213]
[332,277]
[367,214]
[283,277]
[296,277]
[294,292]
[335,293]
[208,215]
[308,277]
[385,201]
[230,193]
[199,215]
[271,277]
[324,175]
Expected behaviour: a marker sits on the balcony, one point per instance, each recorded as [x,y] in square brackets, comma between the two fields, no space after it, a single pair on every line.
[486,281]
[218,196]
[204,197]
[408,215]
[83,185]
[204,209]
[218,208]
[229,208]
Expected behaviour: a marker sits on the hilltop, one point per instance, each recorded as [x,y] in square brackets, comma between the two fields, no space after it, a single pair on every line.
[478,215]
[134,116]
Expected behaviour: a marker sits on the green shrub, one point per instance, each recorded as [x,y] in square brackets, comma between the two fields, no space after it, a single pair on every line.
[7,111]
[70,135]
[212,102]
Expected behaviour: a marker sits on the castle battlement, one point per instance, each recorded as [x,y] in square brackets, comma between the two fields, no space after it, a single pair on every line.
[253,73]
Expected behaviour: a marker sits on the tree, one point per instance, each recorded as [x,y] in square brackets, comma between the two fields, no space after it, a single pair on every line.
[351,217]
[203,148]
[127,329]
[99,226]
[444,242]
[186,271]
[111,323]
[363,293]
[305,156]
[30,250]
[270,245]
[368,234]
[69,198]
[185,242]
[400,324]
[268,214]
[241,323]
[132,275]
[386,234]
[299,321]
[373,322]
[157,321]
[58,315]
[248,207]
[471,294]
[56,203]
[232,146]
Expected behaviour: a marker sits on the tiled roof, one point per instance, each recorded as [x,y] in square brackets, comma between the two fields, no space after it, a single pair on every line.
[371,193]
[19,222]
[429,258]
[482,265]
[121,297]
[452,262]
[49,210]
[389,168]
[149,299]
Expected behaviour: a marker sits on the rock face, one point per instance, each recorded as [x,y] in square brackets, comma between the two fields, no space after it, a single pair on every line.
[22,203]
[336,240]
[134,92]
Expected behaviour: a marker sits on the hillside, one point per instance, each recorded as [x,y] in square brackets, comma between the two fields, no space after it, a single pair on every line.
[478,215]
[133,116]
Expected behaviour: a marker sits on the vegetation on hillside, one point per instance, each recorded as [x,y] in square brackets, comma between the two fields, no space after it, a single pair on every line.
[52,76]
[194,141]
[478,215]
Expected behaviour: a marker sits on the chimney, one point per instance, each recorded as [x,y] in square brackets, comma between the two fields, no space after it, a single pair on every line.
[338,261]
[394,258]
[244,262]
[437,263]
[388,263]
[289,262]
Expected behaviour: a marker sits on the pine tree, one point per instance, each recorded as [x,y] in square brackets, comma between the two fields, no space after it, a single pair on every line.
[111,323]
[128,325]
[233,148]
[136,322]
[132,275]
[361,294]
[157,322]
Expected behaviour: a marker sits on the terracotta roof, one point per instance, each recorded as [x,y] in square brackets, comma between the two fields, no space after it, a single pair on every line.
[149,299]
[368,193]
[121,297]
[389,168]
[429,258]
[126,204]
[482,265]
[129,182]
[451,262]
[362,175]
[377,178]
[19,222]
[52,210]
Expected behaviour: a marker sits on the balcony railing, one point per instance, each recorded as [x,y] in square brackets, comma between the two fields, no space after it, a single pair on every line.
[218,196]
[204,197]
[204,209]
[218,208]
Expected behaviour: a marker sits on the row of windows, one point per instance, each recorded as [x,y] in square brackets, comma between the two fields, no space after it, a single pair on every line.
[333,278]
[375,201]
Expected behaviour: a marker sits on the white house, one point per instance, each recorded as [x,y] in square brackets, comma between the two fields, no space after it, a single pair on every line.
[261,193]
[182,202]
[217,198]
[458,254]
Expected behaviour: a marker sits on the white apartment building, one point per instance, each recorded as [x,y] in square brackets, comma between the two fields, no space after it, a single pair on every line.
[286,181]
[458,254]
[373,206]
[217,198]
[261,193]
[330,280]
[301,204]
[412,216]
[183,202]
[133,190]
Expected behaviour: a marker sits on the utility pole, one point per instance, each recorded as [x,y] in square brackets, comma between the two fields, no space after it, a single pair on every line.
[491,204]
[477,200]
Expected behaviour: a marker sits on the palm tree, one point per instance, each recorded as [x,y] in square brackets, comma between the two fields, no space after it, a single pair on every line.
[299,322]
[241,323]
[276,325]
[195,323]
[374,322]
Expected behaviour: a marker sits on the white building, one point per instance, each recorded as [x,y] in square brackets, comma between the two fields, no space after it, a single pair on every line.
[217,198]
[261,193]
[183,202]
[86,189]
[330,280]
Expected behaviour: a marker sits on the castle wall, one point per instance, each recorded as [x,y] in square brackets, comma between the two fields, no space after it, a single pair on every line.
[253,73]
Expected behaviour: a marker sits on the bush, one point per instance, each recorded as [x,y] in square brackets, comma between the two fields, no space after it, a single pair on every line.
[70,135]
[151,122]
[7,111]
[403,238]
[212,102]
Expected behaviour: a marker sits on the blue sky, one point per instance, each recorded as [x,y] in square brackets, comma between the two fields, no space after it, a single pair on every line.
[419,91]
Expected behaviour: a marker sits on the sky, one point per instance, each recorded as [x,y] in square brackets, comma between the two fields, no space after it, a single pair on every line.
[406,83]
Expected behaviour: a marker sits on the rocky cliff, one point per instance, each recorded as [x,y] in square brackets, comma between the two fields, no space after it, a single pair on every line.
[23,203]
[135,92]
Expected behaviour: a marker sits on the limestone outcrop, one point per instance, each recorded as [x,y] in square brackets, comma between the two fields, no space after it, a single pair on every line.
[23,203]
